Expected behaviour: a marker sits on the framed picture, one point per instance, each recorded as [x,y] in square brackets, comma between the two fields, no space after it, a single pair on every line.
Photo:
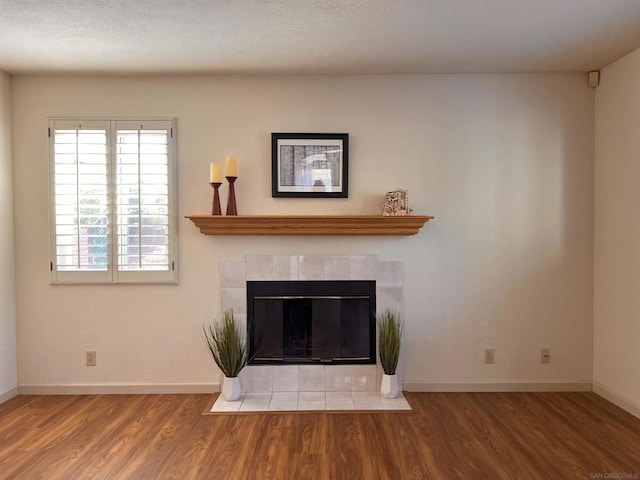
[310,165]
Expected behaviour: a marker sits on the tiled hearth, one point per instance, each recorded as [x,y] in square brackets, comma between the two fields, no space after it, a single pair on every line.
[310,387]
[309,401]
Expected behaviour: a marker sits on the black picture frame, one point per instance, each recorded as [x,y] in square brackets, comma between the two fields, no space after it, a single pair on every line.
[293,156]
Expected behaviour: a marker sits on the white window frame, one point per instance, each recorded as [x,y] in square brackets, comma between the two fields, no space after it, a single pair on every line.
[112,275]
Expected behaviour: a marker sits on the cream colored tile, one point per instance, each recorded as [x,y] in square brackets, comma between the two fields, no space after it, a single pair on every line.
[233,299]
[337,378]
[389,274]
[233,275]
[311,267]
[259,267]
[399,403]
[284,401]
[256,378]
[363,267]
[339,396]
[389,298]
[311,401]
[339,401]
[363,378]
[221,405]
[285,378]
[311,378]
[337,267]
[285,267]
[255,402]
[366,401]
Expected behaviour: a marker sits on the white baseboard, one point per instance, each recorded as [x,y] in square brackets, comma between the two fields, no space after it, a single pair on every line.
[620,400]
[580,386]
[8,394]
[127,388]
[173,388]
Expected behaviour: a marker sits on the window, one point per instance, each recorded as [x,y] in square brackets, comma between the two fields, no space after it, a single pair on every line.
[112,201]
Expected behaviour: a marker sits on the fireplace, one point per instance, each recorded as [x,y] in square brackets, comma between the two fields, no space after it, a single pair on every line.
[307,322]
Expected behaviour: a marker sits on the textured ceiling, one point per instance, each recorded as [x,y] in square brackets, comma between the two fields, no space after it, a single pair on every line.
[315,36]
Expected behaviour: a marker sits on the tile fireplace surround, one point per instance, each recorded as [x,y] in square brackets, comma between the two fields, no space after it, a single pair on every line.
[360,380]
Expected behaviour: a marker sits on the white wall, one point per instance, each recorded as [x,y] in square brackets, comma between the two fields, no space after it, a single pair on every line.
[8,358]
[504,162]
[616,370]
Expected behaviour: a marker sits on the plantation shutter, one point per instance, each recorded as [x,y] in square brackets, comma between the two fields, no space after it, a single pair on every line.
[143,217]
[112,194]
[81,199]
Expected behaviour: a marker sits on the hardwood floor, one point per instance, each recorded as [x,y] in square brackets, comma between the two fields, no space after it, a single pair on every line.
[446,436]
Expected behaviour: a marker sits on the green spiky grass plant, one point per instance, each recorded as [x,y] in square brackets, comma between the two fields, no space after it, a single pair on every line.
[390,329]
[228,345]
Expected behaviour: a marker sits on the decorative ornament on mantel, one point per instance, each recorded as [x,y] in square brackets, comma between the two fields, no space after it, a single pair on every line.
[396,203]
[231,174]
[215,180]
[215,207]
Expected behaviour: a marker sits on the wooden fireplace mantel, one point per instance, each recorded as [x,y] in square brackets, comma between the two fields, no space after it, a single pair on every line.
[309,224]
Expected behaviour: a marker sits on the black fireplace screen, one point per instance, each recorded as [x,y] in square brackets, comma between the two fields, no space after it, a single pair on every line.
[300,322]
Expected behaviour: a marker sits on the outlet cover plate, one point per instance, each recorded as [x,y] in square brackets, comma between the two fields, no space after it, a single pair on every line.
[545,355]
[489,355]
[91,358]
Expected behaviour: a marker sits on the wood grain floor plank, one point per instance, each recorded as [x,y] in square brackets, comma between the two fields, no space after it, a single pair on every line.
[447,435]
[412,457]
[233,447]
[499,453]
[126,441]
[347,449]
[523,427]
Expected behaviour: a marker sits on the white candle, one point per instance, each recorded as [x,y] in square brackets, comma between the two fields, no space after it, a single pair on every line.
[215,173]
[231,167]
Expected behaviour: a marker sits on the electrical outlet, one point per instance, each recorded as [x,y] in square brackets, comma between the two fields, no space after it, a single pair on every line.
[489,355]
[91,358]
[545,355]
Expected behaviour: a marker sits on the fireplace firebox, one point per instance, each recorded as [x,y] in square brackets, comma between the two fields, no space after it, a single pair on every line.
[306,322]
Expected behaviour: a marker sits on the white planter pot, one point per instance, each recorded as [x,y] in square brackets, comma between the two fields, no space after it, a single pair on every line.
[231,388]
[389,387]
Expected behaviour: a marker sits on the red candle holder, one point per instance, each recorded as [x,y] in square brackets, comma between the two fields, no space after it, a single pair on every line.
[215,207]
[231,203]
